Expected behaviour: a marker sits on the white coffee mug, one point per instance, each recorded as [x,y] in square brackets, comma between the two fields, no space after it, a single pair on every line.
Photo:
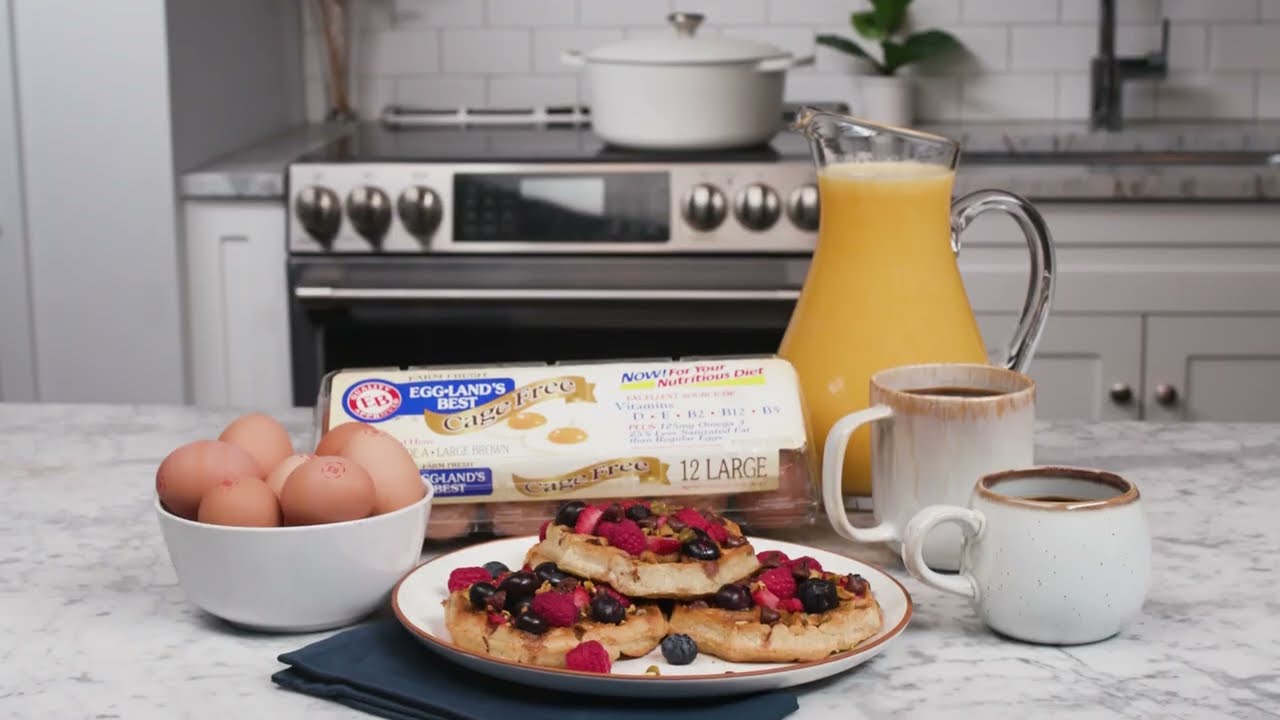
[928,449]
[1052,555]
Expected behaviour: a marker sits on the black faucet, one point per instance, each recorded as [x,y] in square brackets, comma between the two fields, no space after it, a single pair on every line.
[1109,72]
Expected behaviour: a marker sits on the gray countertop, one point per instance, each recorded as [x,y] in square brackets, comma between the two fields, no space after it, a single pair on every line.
[257,172]
[97,627]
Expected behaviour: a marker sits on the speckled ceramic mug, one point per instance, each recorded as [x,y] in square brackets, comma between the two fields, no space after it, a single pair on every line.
[1051,555]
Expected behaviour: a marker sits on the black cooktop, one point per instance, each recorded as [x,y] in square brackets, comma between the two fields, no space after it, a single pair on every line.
[374,142]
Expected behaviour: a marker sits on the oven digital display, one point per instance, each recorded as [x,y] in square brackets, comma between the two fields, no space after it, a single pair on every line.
[562,207]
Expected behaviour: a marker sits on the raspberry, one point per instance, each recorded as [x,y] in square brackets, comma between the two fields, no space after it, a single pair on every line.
[580,597]
[542,531]
[606,530]
[464,577]
[497,619]
[622,599]
[802,565]
[692,518]
[556,608]
[626,504]
[589,656]
[793,604]
[779,582]
[772,558]
[588,519]
[629,538]
[764,598]
[663,545]
[717,532]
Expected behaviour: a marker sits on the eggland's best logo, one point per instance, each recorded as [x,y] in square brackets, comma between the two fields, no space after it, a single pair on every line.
[373,400]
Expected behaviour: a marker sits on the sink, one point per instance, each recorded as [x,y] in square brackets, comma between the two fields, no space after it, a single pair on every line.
[1234,158]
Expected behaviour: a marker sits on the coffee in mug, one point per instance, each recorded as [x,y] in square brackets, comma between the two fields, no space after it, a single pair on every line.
[1051,555]
[938,428]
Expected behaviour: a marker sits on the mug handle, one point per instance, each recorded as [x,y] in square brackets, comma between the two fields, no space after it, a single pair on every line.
[1035,309]
[833,476]
[971,523]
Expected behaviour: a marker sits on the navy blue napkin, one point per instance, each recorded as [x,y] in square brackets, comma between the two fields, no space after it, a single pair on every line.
[379,669]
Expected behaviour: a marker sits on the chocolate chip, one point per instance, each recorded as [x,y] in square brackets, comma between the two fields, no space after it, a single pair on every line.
[734,541]
[769,616]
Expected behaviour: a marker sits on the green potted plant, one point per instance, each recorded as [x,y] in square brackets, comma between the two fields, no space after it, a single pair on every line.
[886,95]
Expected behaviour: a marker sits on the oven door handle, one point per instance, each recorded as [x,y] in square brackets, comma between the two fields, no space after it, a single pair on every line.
[313,293]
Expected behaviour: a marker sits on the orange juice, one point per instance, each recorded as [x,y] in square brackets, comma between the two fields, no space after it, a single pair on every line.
[883,290]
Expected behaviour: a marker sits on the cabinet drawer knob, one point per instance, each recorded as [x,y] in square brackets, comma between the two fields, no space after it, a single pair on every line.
[1166,395]
[1121,393]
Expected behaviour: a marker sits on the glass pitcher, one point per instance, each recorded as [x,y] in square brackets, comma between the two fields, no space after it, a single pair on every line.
[884,288]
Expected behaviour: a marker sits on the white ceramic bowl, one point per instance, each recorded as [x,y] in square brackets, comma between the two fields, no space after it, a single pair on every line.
[295,579]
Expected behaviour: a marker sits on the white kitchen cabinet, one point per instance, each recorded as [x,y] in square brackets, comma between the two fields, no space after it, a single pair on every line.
[1212,368]
[1086,366]
[237,315]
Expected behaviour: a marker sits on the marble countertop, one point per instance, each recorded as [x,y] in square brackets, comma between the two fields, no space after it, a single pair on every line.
[95,625]
[257,172]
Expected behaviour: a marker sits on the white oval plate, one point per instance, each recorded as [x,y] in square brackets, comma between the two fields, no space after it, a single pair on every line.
[418,597]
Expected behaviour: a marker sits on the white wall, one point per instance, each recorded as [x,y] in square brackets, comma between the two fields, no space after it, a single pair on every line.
[1028,59]
[17,359]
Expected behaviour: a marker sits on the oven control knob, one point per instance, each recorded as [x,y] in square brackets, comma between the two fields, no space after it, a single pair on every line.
[320,212]
[370,212]
[704,207]
[757,207]
[802,207]
[419,210]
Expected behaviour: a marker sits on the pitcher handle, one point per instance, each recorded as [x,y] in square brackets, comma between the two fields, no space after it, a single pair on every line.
[1035,309]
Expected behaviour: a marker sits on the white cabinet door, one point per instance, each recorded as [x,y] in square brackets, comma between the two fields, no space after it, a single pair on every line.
[1215,369]
[1087,367]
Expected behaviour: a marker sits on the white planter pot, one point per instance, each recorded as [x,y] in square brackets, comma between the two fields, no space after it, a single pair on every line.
[885,100]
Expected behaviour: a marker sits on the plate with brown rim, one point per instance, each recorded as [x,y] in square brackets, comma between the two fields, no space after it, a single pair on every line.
[418,604]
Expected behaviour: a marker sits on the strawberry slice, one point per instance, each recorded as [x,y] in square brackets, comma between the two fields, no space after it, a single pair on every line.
[764,598]
[588,519]
[663,545]
[497,619]
[580,597]
[793,605]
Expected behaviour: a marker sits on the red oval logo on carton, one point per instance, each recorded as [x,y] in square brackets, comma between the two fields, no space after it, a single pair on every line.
[373,400]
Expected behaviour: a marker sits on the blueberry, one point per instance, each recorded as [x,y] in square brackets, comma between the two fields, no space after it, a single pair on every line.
[613,513]
[700,548]
[531,623]
[817,595]
[480,593]
[521,584]
[518,605]
[733,597]
[568,513]
[606,609]
[496,568]
[548,572]
[638,512]
[679,649]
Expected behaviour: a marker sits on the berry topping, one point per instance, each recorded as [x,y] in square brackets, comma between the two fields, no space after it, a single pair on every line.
[717,532]
[568,513]
[580,597]
[548,572]
[616,595]
[769,616]
[589,656]
[464,577]
[496,568]
[818,595]
[497,602]
[801,566]
[531,623]
[855,584]
[679,649]
[497,618]
[556,608]
[612,513]
[734,541]
[700,549]
[766,599]
[792,604]
[663,545]
[779,582]
[542,530]
[691,518]
[733,597]
[628,537]
[479,594]
[638,512]
[587,520]
[772,558]
[519,606]
[521,584]
[605,609]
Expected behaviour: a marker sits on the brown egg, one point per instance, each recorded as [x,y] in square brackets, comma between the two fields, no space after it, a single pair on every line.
[520,518]
[326,489]
[450,521]
[186,473]
[396,480]
[789,504]
[331,442]
[243,502]
[262,437]
[280,473]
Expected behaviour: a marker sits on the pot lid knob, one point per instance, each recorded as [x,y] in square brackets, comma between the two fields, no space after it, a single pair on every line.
[686,24]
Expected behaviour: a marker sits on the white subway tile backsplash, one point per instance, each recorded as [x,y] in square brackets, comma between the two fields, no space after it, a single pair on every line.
[722,13]
[441,91]
[1245,47]
[829,14]
[549,45]
[820,87]
[1052,47]
[1268,95]
[487,51]
[1270,9]
[517,91]
[372,94]
[1192,96]
[623,12]
[1212,9]
[1127,11]
[1138,101]
[936,98]
[934,14]
[1188,47]
[986,49]
[792,39]
[1009,11]
[433,13]
[531,13]
[1008,97]
[397,52]
[834,61]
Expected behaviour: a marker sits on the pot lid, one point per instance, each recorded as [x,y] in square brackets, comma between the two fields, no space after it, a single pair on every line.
[681,46]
